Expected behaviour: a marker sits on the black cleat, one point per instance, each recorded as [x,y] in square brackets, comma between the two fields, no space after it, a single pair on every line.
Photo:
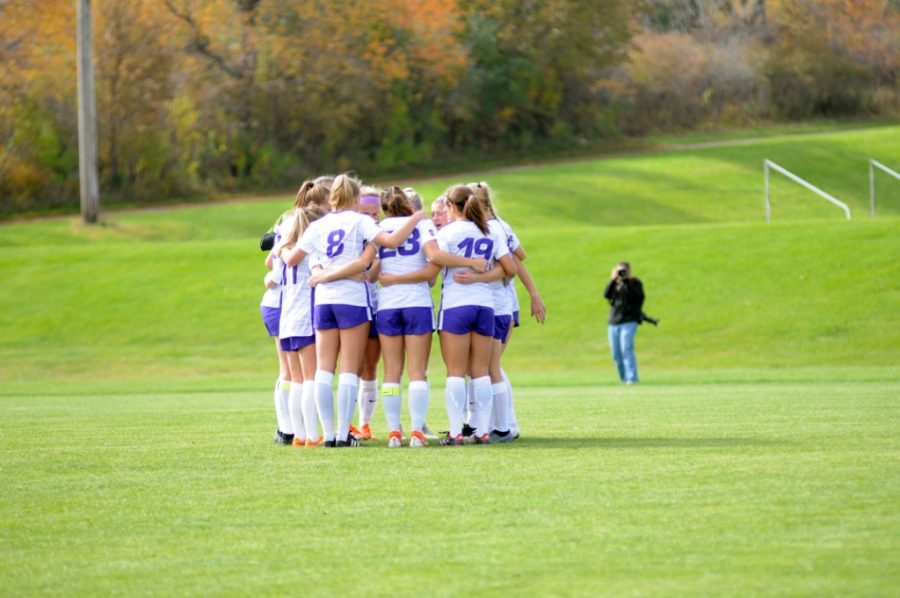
[329,444]
[468,430]
[351,440]
[501,437]
[287,439]
[451,440]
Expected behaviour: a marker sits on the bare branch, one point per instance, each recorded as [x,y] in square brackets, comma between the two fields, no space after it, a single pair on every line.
[201,42]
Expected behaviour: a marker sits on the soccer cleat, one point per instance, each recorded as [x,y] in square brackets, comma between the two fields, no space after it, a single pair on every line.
[329,444]
[287,439]
[298,442]
[354,431]
[417,439]
[311,443]
[277,437]
[468,430]
[395,440]
[351,440]
[501,437]
[428,433]
[483,439]
[365,433]
[451,440]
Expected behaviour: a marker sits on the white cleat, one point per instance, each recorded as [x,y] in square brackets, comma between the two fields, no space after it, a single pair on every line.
[395,440]
[417,439]
[428,433]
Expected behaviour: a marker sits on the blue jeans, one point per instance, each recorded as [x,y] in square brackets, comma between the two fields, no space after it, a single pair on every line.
[621,341]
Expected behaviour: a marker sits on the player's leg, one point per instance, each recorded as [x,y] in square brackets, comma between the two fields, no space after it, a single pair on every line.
[295,403]
[368,385]
[455,350]
[327,344]
[418,349]
[511,406]
[282,388]
[353,347]
[479,366]
[391,400]
[308,394]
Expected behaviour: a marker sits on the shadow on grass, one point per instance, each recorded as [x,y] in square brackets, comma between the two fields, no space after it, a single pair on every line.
[576,442]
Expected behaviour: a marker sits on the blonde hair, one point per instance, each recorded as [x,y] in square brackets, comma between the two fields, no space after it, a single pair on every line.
[344,192]
[415,200]
[311,193]
[296,224]
[471,207]
[483,192]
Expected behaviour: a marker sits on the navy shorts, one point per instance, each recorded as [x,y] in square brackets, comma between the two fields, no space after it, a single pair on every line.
[295,343]
[335,315]
[502,325]
[406,320]
[468,318]
[516,318]
[271,318]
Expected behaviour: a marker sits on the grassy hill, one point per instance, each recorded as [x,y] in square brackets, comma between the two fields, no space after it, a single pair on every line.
[170,297]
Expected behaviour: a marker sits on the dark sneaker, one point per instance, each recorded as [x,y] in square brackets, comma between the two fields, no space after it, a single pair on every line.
[287,439]
[351,440]
[329,444]
[501,437]
[467,430]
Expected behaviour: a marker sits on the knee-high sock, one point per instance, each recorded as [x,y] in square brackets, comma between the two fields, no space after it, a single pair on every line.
[391,400]
[368,398]
[279,412]
[348,386]
[500,414]
[455,398]
[418,403]
[470,405]
[296,406]
[310,415]
[284,396]
[325,402]
[513,422]
[484,399]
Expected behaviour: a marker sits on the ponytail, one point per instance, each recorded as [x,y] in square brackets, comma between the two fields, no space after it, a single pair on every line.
[483,193]
[305,188]
[296,224]
[394,202]
[463,199]
[344,192]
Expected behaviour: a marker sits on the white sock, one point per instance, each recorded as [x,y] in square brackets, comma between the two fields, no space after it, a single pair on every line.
[285,397]
[325,402]
[368,398]
[296,406]
[511,412]
[310,417]
[348,386]
[484,399]
[470,405]
[418,403]
[455,398]
[500,414]
[391,401]
[279,413]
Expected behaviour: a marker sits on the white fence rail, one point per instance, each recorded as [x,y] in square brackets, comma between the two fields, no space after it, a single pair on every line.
[767,164]
[873,164]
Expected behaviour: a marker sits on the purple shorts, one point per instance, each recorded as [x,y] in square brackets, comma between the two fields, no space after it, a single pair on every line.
[295,343]
[271,317]
[516,318]
[468,318]
[406,320]
[335,315]
[373,332]
[502,325]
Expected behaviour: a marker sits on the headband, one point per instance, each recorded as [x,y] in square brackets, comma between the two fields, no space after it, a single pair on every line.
[369,200]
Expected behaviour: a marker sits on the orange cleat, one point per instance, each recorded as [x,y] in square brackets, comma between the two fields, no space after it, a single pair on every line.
[395,440]
[417,439]
[366,433]
[355,431]
[298,442]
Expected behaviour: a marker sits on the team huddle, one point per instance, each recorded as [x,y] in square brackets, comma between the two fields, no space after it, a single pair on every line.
[346,288]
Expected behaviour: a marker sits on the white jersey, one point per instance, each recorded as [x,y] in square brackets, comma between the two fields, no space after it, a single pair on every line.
[338,238]
[406,259]
[296,301]
[463,237]
[512,242]
[272,297]
[503,300]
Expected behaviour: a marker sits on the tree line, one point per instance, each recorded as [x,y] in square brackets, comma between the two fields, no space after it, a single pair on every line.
[195,97]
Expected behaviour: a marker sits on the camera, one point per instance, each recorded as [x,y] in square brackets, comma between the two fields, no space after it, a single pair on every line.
[621,272]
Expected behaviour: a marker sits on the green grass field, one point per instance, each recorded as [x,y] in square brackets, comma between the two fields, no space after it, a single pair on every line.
[759,455]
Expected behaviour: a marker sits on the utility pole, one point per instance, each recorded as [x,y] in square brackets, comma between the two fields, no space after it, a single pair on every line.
[87,117]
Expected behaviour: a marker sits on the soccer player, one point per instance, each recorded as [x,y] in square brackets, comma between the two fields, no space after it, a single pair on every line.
[342,313]
[296,331]
[439,212]
[405,319]
[368,384]
[466,319]
[270,309]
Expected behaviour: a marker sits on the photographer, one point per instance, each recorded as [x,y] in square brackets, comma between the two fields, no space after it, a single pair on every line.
[625,294]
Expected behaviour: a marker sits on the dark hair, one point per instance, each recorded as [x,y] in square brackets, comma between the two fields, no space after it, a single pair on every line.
[472,208]
[394,202]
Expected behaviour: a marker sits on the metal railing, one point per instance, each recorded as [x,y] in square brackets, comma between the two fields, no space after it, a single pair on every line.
[767,164]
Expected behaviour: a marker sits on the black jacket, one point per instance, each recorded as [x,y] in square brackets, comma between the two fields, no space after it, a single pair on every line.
[626,298]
